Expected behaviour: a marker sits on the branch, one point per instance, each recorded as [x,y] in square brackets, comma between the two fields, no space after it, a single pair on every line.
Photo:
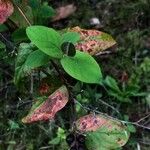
[113,108]
[23,14]
[72,102]
[59,73]
[110,117]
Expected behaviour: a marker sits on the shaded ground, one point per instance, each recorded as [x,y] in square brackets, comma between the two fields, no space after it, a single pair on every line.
[128,22]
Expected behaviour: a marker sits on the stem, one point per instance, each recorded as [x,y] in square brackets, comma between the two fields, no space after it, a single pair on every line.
[110,117]
[73,110]
[23,14]
[31,85]
[45,72]
[72,102]
[59,73]
[7,41]
[11,25]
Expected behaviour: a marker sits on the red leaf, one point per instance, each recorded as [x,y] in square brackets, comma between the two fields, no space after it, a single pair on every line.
[90,123]
[6,9]
[93,41]
[102,132]
[50,107]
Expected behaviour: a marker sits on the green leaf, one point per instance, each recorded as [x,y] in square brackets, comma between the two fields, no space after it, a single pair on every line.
[34,4]
[46,39]
[36,59]
[17,18]
[82,67]
[60,136]
[105,37]
[24,50]
[13,125]
[72,37]
[46,11]
[41,11]
[119,96]
[19,35]
[145,65]
[3,28]
[61,133]
[102,133]
[55,141]
[103,139]
[131,128]
[111,82]
[2,45]
[27,60]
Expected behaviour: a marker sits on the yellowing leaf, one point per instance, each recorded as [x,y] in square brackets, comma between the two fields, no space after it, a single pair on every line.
[47,109]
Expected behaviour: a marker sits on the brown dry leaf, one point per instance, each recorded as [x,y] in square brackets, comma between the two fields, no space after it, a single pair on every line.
[47,109]
[93,41]
[6,9]
[64,12]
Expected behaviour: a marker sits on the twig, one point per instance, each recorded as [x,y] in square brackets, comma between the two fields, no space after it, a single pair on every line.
[72,103]
[45,147]
[138,146]
[2,87]
[110,117]
[144,142]
[143,118]
[31,85]
[8,42]
[113,108]
[45,72]
[23,14]
[59,73]
[6,72]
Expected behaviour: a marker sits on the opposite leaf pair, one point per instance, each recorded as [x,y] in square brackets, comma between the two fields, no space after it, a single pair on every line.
[80,65]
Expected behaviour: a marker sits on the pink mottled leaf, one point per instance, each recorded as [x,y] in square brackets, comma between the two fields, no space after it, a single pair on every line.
[6,9]
[102,133]
[47,109]
[93,41]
